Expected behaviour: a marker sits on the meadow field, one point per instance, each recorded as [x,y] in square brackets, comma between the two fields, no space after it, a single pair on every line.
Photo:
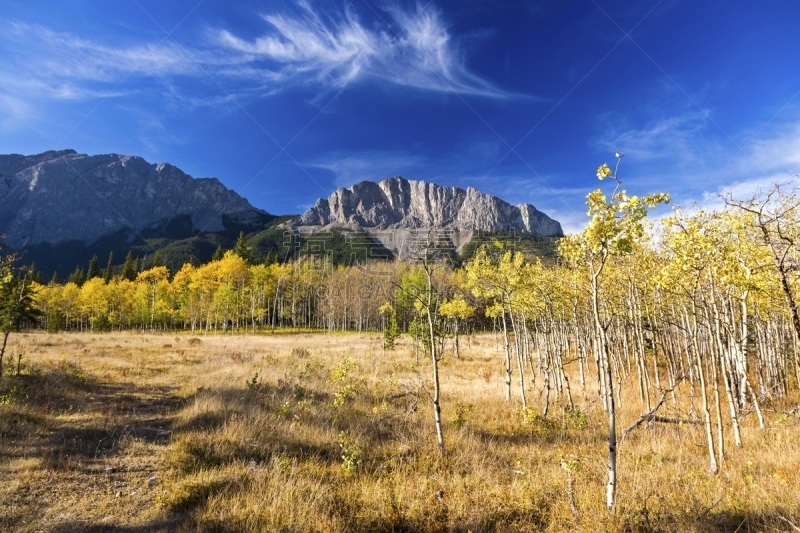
[131,432]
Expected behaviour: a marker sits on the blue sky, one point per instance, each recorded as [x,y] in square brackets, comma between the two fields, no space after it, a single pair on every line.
[284,101]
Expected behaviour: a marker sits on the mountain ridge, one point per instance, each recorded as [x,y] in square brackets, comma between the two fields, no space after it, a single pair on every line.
[59,208]
[398,203]
[59,196]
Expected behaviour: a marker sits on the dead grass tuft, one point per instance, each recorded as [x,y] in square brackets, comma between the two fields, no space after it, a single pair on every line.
[300,353]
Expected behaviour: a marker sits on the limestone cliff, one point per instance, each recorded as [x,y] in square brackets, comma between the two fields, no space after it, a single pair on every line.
[397,203]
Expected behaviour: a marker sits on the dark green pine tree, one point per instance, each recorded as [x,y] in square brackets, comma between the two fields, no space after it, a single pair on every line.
[219,254]
[35,275]
[17,306]
[108,272]
[94,269]
[129,268]
[138,266]
[156,260]
[241,249]
[77,277]
[54,279]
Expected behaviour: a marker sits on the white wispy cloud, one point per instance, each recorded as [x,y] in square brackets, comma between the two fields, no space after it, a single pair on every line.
[688,155]
[451,169]
[414,49]
[68,58]
[684,155]
[308,47]
[683,137]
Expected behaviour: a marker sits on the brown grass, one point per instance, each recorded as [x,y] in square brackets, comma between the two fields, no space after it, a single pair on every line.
[135,433]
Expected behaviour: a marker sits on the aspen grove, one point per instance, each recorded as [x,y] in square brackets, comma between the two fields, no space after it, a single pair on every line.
[703,301]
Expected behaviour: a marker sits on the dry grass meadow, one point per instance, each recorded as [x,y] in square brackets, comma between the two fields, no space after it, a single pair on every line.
[131,433]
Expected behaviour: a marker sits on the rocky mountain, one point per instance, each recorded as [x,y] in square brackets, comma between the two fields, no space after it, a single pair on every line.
[62,196]
[58,209]
[397,203]
[395,211]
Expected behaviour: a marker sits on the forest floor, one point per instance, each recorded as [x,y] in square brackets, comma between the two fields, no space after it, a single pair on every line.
[131,433]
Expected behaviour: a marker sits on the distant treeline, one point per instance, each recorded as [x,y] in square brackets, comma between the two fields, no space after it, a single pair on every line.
[113,255]
[338,282]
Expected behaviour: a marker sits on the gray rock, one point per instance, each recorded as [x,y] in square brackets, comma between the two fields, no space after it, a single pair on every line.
[59,196]
[397,203]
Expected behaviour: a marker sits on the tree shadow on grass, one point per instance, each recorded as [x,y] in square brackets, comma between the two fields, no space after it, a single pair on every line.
[536,519]
[68,431]
[723,521]
[264,415]
[549,432]
[65,418]
[166,525]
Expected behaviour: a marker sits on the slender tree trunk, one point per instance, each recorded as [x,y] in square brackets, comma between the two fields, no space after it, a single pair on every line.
[455,339]
[726,375]
[519,361]
[3,351]
[704,393]
[611,487]
[546,392]
[437,409]
[785,283]
[508,353]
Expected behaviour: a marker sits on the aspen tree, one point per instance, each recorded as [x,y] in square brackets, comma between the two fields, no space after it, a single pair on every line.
[94,299]
[430,303]
[499,279]
[457,310]
[777,217]
[426,302]
[152,277]
[692,250]
[615,226]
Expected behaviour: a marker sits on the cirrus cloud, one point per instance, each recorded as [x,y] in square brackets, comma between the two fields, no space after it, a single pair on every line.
[414,49]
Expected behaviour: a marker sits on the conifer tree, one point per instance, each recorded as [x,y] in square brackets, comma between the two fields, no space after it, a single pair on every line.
[241,248]
[218,254]
[17,303]
[77,277]
[35,275]
[391,331]
[94,270]
[108,272]
[129,270]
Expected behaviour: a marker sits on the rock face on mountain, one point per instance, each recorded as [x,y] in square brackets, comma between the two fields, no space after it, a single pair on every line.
[59,196]
[400,204]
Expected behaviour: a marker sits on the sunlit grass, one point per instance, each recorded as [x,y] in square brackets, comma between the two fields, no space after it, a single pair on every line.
[266,433]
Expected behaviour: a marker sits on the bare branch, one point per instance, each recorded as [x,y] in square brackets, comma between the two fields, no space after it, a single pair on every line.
[650,415]
[791,524]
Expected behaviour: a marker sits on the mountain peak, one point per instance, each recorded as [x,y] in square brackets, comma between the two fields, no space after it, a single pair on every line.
[60,196]
[398,203]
